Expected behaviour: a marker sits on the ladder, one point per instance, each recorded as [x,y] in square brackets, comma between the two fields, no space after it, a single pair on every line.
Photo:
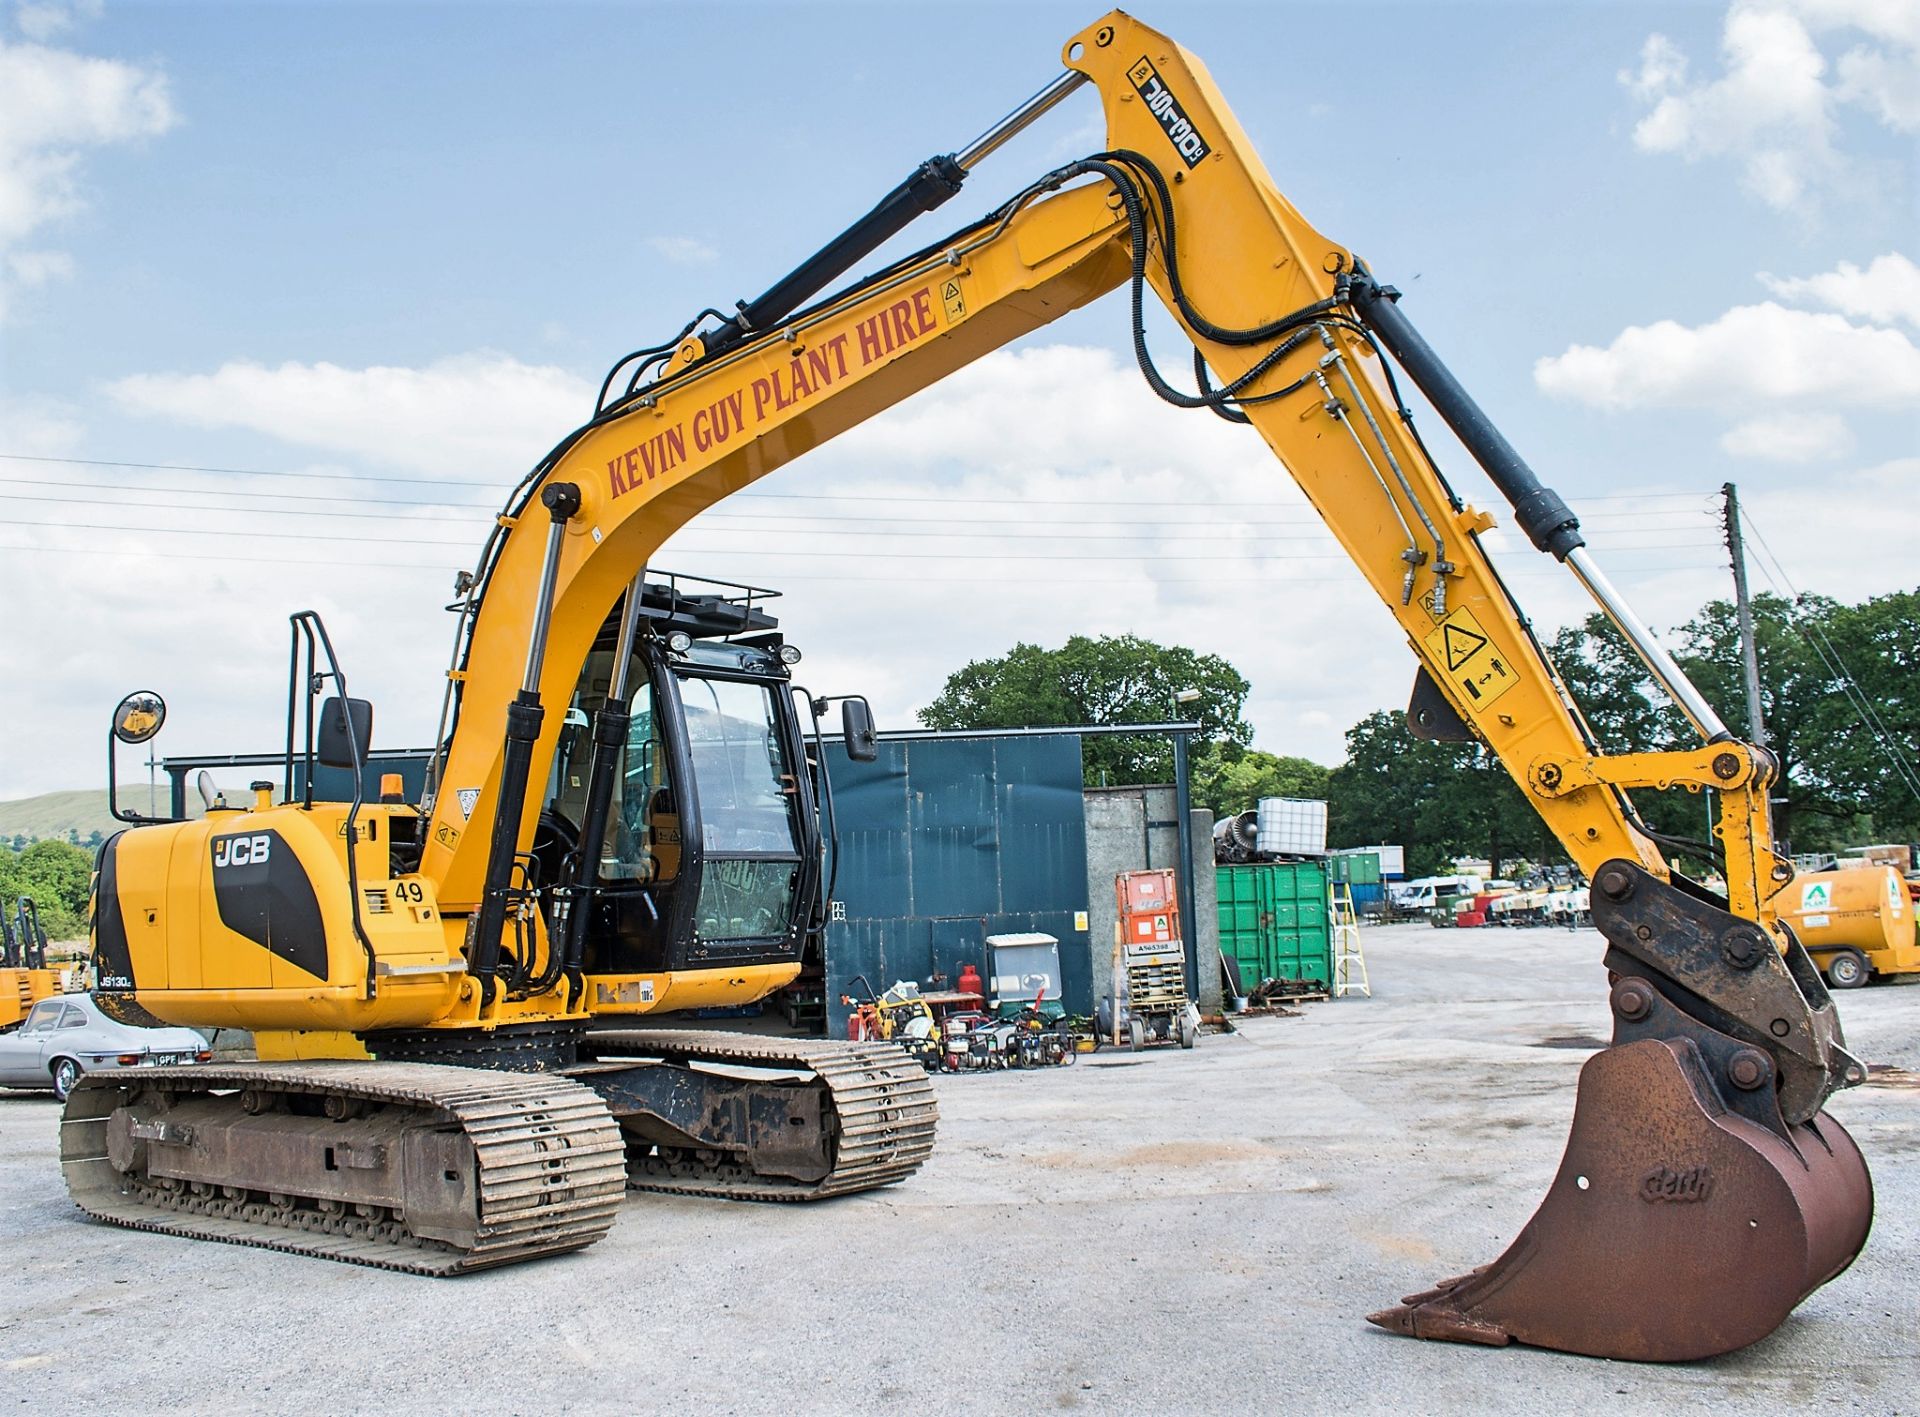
[1349,962]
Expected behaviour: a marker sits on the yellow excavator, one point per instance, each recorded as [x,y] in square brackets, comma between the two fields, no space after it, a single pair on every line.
[24,977]
[624,813]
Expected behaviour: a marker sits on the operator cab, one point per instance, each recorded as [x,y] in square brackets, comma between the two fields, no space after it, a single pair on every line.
[711,854]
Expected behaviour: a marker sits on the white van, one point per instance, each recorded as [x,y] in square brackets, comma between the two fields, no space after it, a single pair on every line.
[1416,897]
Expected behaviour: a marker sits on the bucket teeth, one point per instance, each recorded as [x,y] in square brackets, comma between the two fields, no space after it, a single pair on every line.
[1675,1229]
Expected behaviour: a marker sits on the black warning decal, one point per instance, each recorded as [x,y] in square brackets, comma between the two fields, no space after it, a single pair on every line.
[1475,665]
[1163,105]
[1461,644]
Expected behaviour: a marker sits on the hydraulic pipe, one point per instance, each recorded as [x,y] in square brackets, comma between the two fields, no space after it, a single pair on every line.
[1019,120]
[1540,512]
[1652,653]
[524,718]
[1547,520]
[929,185]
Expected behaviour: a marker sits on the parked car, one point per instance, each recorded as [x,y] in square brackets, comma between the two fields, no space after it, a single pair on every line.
[67,1035]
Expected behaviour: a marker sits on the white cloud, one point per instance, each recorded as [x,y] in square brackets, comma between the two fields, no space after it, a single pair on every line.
[43,20]
[1070,501]
[1037,494]
[1076,504]
[682,250]
[36,427]
[1823,542]
[479,415]
[1750,356]
[1790,438]
[1888,289]
[1777,104]
[33,268]
[54,106]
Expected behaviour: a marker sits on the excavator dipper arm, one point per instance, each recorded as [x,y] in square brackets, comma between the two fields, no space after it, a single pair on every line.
[1704,1192]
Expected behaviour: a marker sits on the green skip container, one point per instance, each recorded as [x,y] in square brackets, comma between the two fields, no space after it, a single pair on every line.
[1273,920]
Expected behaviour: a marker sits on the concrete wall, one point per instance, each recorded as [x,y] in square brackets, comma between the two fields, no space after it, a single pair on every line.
[1133,829]
[1206,905]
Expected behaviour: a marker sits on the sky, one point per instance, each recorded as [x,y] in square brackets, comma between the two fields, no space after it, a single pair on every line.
[291,294]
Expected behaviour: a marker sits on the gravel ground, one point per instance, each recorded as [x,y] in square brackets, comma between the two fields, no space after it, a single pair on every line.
[1170,1232]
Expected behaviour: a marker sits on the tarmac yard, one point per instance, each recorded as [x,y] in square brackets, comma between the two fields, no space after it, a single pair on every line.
[1161,1232]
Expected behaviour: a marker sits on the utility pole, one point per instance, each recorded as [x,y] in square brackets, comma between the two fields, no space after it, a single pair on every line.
[1743,609]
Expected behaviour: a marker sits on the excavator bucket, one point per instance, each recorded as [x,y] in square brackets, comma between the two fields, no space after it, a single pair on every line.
[1688,1217]
[1676,1229]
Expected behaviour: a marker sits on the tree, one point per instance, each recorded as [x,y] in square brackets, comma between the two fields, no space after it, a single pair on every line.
[1227,782]
[1820,662]
[1112,679]
[58,875]
[1872,654]
[1438,800]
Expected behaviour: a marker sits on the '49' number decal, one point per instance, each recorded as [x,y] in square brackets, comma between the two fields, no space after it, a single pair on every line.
[411,892]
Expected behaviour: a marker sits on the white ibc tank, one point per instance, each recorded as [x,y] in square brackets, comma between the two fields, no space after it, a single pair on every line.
[1292,826]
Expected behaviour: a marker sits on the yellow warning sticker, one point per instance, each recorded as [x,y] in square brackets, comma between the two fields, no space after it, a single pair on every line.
[1472,661]
[952,299]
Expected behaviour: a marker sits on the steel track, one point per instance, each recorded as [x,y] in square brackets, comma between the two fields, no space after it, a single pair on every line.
[551,1163]
[881,1108]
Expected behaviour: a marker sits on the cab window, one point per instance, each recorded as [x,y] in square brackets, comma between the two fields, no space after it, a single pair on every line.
[739,767]
[642,843]
[643,829]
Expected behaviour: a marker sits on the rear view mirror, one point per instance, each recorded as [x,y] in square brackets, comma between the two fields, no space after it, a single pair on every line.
[345,733]
[856,729]
[139,717]
[136,720]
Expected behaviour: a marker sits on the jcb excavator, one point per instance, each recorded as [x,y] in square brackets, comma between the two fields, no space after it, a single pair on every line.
[1704,1191]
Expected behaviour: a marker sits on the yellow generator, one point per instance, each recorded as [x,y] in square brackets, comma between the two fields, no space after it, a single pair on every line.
[1858,924]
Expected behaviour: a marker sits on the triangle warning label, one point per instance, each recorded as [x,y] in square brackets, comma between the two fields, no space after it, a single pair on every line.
[1461,644]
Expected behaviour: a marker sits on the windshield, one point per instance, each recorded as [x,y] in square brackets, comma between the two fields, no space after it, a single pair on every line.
[745,787]
[740,771]
[742,780]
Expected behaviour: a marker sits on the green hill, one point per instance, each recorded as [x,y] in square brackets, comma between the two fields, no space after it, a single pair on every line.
[56,814]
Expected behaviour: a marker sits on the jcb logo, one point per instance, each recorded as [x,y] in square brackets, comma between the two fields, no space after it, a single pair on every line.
[242,850]
[1164,106]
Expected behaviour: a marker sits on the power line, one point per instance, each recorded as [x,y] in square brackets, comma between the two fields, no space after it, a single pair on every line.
[239,560]
[1830,658]
[486,509]
[477,516]
[1005,530]
[764,496]
[247,471]
[801,576]
[1240,550]
[355,500]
